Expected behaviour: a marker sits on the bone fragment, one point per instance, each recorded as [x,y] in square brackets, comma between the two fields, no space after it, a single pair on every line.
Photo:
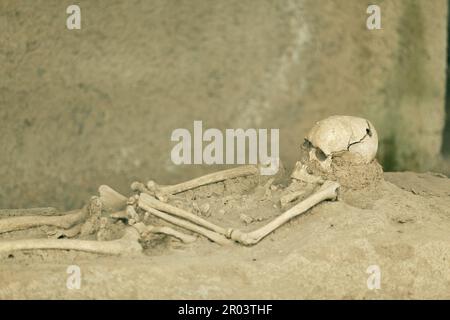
[291,196]
[111,199]
[61,233]
[300,173]
[119,215]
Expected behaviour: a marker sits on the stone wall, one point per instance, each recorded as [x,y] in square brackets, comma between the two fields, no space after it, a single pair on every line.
[80,108]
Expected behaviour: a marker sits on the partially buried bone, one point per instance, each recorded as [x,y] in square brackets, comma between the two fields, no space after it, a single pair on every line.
[211,235]
[61,233]
[154,203]
[47,211]
[328,191]
[119,215]
[161,191]
[300,173]
[111,199]
[65,221]
[144,230]
[92,223]
[128,244]
[132,215]
[290,197]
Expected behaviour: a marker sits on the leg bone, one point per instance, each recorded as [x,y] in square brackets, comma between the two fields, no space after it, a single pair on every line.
[218,238]
[65,221]
[145,229]
[49,211]
[128,244]
[154,203]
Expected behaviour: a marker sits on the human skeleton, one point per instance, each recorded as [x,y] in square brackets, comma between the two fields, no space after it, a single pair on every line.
[337,136]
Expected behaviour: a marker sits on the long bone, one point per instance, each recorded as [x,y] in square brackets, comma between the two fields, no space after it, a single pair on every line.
[47,211]
[146,229]
[154,189]
[65,221]
[128,244]
[328,191]
[154,203]
[211,235]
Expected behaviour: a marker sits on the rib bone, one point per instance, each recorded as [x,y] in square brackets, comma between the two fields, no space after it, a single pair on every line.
[128,244]
[328,191]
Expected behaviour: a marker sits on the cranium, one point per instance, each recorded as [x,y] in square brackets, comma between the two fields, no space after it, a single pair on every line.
[353,137]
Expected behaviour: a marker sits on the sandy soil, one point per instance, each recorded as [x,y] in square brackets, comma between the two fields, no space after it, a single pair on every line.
[403,227]
[103,108]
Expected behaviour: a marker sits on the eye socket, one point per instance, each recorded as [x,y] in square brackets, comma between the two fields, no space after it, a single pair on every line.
[320,155]
[306,144]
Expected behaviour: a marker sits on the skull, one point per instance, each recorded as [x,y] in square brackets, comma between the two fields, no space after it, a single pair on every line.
[351,137]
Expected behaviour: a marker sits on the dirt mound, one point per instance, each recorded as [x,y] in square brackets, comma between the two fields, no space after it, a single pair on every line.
[325,253]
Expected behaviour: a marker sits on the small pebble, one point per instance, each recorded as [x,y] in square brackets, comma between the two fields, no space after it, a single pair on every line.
[204,209]
[246,219]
